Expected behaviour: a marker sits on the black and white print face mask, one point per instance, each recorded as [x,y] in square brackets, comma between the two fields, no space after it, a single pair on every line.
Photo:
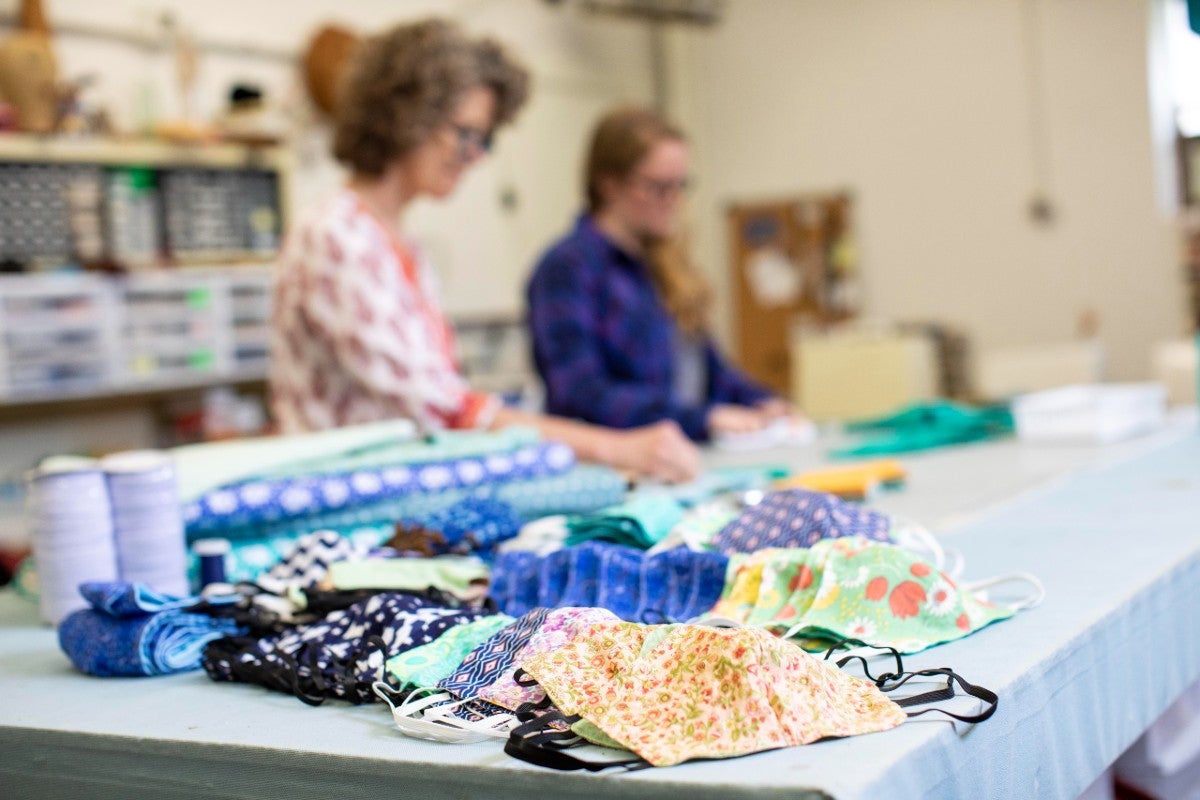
[340,656]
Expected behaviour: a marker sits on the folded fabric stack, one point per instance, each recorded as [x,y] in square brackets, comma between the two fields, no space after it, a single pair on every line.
[641,522]
[130,630]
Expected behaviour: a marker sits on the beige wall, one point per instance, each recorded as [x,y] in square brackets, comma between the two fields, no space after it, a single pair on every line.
[924,111]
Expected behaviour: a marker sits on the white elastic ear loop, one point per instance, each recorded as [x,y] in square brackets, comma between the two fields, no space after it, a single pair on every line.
[956,563]
[714,622]
[429,718]
[919,539]
[1036,596]
[496,726]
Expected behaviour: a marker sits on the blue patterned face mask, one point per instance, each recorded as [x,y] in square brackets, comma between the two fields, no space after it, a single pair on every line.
[675,584]
[799,518]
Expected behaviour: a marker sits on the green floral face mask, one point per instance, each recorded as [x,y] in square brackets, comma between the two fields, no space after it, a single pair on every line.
[855,588]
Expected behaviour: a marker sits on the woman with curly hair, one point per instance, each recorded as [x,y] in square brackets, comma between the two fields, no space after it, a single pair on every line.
[358,330]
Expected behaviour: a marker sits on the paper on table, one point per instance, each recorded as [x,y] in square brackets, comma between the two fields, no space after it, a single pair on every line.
[782,432]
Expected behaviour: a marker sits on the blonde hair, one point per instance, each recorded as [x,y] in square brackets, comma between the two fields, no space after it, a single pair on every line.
[620,140]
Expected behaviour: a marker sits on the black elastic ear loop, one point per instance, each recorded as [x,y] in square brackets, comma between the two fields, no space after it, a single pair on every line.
[886,676]
[945,693]
[532,744]
[529,711]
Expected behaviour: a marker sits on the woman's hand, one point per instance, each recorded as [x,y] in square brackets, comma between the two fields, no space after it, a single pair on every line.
[659,451]
[775,407]
[724,418]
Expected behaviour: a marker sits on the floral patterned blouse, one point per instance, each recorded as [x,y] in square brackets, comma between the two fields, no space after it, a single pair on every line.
[358,334]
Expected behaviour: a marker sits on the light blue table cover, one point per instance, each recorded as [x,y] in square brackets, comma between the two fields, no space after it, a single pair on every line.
[1080,677]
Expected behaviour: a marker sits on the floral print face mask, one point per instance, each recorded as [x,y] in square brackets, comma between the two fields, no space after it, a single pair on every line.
[672,693]
[855,588]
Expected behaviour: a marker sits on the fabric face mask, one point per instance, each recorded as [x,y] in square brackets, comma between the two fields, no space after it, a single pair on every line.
[429,664]
[445,711]
[675,584]
[799,518]
[560,627]
[641,686]
[340,656]
[671,693]
[854,588]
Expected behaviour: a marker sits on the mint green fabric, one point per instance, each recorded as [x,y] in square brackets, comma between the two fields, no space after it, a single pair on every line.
[453,574]
[430,664]
[924,426]
[203,467]
[441,446]
[640,522]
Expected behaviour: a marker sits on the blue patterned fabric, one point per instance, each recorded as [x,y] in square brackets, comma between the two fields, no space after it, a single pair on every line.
[676,584]
[583,575]
[472,524]
[131,631]
[551,577]
[332,657]
[584,488]
[130,599]
[799,518]
[267,501]
[485,664]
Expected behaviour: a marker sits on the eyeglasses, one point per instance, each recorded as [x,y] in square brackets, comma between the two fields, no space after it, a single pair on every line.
[664,189]
[471,141]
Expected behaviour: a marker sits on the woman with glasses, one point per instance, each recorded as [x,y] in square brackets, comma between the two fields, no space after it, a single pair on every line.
[358,330]
[618,315]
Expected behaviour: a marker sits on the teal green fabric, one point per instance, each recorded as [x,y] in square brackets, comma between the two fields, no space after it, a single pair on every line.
[430,664]
[453,574]
[1194,15]
[640,522]
[924,426]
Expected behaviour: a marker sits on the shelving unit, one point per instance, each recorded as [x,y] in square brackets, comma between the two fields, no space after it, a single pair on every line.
[139,204]
[73,336]
[149,207]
